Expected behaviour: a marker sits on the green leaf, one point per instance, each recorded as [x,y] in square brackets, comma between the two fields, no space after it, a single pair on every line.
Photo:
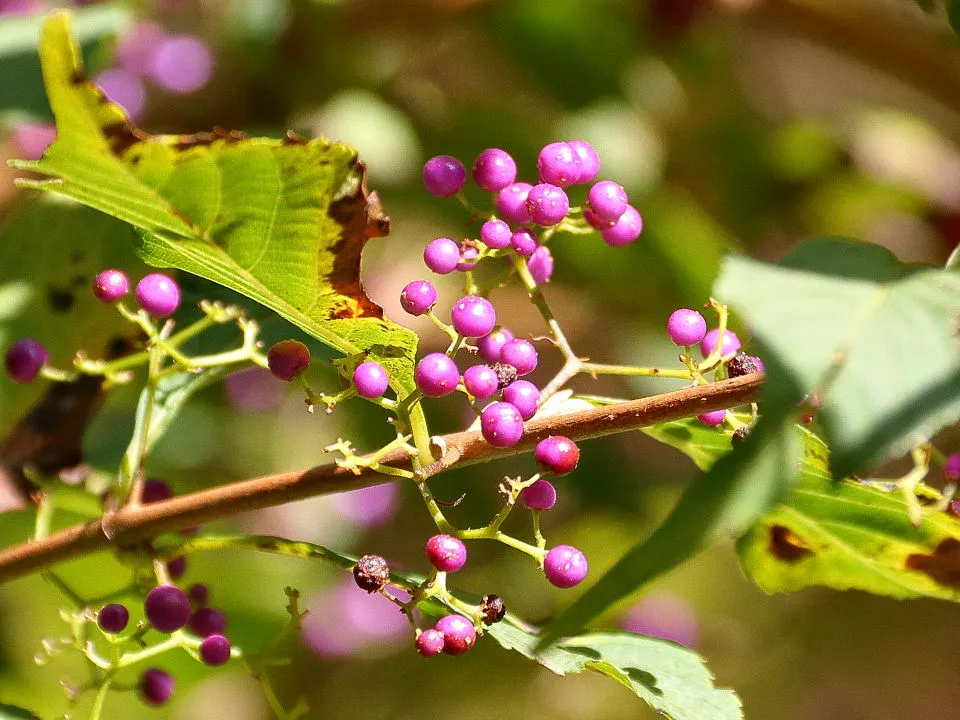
[671,679]
[875,338]
[10,712]
[280,221]
[704,445]
[953,14]
[847,535]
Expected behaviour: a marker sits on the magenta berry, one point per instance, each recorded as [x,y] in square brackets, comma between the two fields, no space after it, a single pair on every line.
[542,495]
[521,354]
[429,642]
[442,255]
[469,255]
[596,223]
[490,344]
[418,297]
[547,204]
[557,454]
[501,424]
[24,359]
[156,686]
[625,230]
[565,566]
[480,381]
[436,375]
[608,200]
[215,650]
[370,379]
[113,618]
[524,396]
[446,553]
[199,595]
[207,621]
[951,468]
[473,316]
[512,203]
[524,241]
[494,169]
[731,343]
[177,567]
[495,234]
[155,491]
[287,359]
[589,160]
[712,418]
[111,285]
[459,634]
[686,327]
[559,164]
[158,294]
[540,265]
[167,608]
[443,176]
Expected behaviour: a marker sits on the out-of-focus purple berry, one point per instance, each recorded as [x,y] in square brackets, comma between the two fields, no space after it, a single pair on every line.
[207,621]
[501,424]
[712,418]
[113,618]
[758,363]
[199,595]
[344,620]
[495,234]
[158,294]
[31,139]
[181,64]
[565,566]
[557,454]
[521,354]
[607,200]
[156,686]
[442,255]
[731,343]
[559,164]
[512,203]
[494,169]
[589,160]
[155,490]
[480,381]
[490,345]
[524,241]
[547,204]
[665,616]
[473,316]
[177,567]
[124,89]
[370,379]
[625,230]
[368,507]
[686,327]
[540,265]
[111,285]
[951,468]
[287,359]
[418,296]
[446,553]
[429,642]
[253,390]
[24,359]
[135,48]
[436,375]
[443,176]
[524,396]
[542,495]
[459,634]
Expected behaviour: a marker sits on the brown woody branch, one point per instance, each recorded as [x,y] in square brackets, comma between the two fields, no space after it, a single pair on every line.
[134,524]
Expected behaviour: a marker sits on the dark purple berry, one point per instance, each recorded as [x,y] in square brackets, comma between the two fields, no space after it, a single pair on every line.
[429,642]
[177,567]
[951,468]
[167,608]
[542,495]
[371,573]
[506,374]
[540,265]
[512,203]
[215,650]
[492,609]
[625,230]
[712,418]
[758,363]
[607,200]
[443,176]
[494,169]
[111,285]
[473,316]
[156,686]
[589,160]
[524,242]
[459,634]
[547,204]
[731,343]
[418,297]
[559,164]
[686,327]
[495,234]
[521,354]
[199,595]
[741,364]
[24,359]
[565,566]
[501,424]
[158,294]
[155,491]
[480,381]
[436,375]
[557,455]
[207,621]
[287,358]
[370,379]
[442,255]
[446,553]
[524,396]
[113,618]
[489,345]
[469,254]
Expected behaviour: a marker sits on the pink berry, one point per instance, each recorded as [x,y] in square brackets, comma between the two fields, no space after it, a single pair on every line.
[557,454]
[418,297]
[559,164]
[512,203]
[158,294]
[436,375]
[521,354]
[565,566]
[215,650]
[625,230]
[501,424]
[370,379]
[111,285]
[480,381]
[446,553]
[608,200]
[24,359]
[181,64]
[494,169]
[542,495]
[547,204]
[589,160]
[495,234]
[951,468]
[473,316]
[731,343]
[459,634]
[156,686]
[442,255]
[686,327]
[712,418]
[524,396]
[490,344]
[524,241]
[443,176]
[540,265]
[469,255]
[288,358]
[429,642]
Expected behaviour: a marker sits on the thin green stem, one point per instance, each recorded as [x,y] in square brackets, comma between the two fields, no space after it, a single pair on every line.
[637,370]
[100,698]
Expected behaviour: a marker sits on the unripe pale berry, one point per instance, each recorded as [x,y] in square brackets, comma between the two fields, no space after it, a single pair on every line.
[589,160]
[627,229]
[542,495]
[24,359]
[490,344]
[547,204]
[731,343]
[113,618]
[215,650]
[436,375]
[565,566]
[712,418]
[446,553]
[480,381]
[521,354]
[495,234]
[111,285]
[686,327]
[429,642]
[473,316]
[559,164]
[156,686]
[494,169]
[512,203]
[287,358]
[524,396]
[158,294]
[540,265]
[418,296]
[443,176]
[167,608]
[442,255]
[557,454]
[608,201]
[370,379]
[459,634]
[524,241]
[501,424]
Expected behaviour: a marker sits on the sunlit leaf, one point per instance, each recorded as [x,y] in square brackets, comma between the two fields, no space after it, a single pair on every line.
[10,712]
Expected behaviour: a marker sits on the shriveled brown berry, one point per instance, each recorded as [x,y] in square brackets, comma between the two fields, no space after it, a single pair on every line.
[506,374]
[492,609]
[371,573]
[741,364]
[740,434]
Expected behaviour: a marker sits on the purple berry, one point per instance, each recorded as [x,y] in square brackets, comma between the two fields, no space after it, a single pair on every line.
[626,230]
[512,203]
[446,553]
[436,375]
[608,200]
[418,297]
[557,454]
[494,169]
[686,327]
[443,176]
[124,89]
[199,595]
[215,650]
[593,221]
[589,160]
[24,359]
[167,608]
[31,140]
[111,285]
[158,294]
[371,573]
[758,363]
[565,566]
[951,468]
[506,373]
[473,316]
[731,343]
[156,686]
[524,396]
[524,241]
[559,164]
[542,495]
[480,381]
[177,567]
[495,234]
[429,642]
[712,418]
[468,256]
[547,204]
[540,265]
[207,621]
[521,354]
[287,359]
[492,609]
[442,255]
[370,379]
[490,344]
[459,634]
[181,64]
[501,424]
[155,491]
[113,618]
[741,364]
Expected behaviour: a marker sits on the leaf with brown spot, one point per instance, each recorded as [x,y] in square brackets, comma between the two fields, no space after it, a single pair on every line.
[943,564]
[786,545]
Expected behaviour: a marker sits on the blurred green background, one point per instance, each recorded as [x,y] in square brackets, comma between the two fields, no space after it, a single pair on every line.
[734,125]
